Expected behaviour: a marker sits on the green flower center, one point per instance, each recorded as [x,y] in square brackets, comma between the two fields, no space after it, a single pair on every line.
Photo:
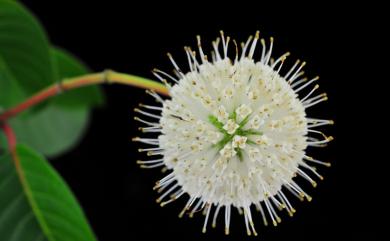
[240,131]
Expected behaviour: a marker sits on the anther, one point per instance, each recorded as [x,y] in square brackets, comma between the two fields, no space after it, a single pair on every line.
[257,35]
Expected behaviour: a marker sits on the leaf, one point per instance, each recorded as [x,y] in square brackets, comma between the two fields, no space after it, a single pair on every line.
[69,66]
[3,144]
[53,130]
[25,48]
[59,126]
[35,203]
[27,64]
[10,94]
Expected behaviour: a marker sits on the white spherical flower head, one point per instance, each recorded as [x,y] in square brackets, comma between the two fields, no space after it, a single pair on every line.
[234,133]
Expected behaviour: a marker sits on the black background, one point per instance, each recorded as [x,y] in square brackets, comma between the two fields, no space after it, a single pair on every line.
[117,196]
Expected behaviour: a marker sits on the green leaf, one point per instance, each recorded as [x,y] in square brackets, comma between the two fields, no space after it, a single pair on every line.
[3,144]
[53,130]
[35,203]
[25,48]
[27,65]
[69,66]
[10,93]
[59,127]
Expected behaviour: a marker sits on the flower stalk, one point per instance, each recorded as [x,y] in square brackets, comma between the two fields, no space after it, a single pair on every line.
[107,76]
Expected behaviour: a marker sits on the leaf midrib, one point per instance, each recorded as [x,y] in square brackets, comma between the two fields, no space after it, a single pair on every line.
[30,197]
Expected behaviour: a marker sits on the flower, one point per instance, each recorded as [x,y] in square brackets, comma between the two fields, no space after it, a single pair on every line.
[234,133]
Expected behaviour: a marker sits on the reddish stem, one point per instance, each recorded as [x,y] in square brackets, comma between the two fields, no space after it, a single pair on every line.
[10,135]
[107,76]
[36,99]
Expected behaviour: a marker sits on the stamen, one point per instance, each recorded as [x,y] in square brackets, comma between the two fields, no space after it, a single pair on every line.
[214,224]
[208,207]
[269,208]
[269,51]
[150,149]
[308,83]
[171,200]
[155,95]
[202,56]
[154,153]
[158,200]
[298,82]
[305,176]
[188,53]
[196,208]
[311,100]
[328,139]
[310,159]
[147,113]
[216,51]
[227,219]
[318,132]
[174,64]
[151,107]
[324,98]
[288,203]
[225,44]
[193,56]
[146,140]
[310,93]
[263,50]
[248,231]
[277,203]
[181,214]
[308,197]
[156,72]
[248,212]
[294,191]
[320,124]
[284,204]
[260,208]
[292,69]
[236,50]
[152,166]
[280,59]
[150,161]
[162,185]
[252,50]
[312,170]
[295,75]
[194,199]
[146,130]
[155,124]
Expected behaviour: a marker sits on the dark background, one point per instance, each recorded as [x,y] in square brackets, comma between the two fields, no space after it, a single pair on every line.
[117,196]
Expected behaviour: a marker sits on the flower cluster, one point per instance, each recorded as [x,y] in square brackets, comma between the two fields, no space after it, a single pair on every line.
[234,133]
